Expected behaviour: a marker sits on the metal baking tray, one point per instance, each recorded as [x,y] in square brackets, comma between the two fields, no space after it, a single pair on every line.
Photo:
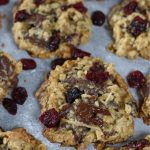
[28,114]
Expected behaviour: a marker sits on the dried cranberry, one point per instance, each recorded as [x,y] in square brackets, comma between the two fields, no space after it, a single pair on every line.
[19,95]
[98,18]
[58,61]
[10,106]
[39,2]
[97,67]
[50,118]
[54,41]
[97,73]
[137,26]
[130,8]
[4,2]
[78,53]
[136,79]
[97,77]
[138,145]
[28,64]
[73,94]
[21,15]
[80,7]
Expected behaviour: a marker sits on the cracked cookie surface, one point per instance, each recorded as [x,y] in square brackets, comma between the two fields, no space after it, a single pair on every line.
[145,108]
[130,24]
[19,139]
[48,28]
[86,101]
[9,71]
[142,144]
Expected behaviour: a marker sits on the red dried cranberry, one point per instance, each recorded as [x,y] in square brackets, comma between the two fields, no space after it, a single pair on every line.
[39,2]
[50,118]
[58,61]
[19,95]
[136,79]
[80,7]
[97,67]
[28,64]
[54,41]
[21,15]
[98,18]
[130,8]
[97,77]
[73,94]
[138,145]
[10,106]
[137,26]
[78,53]
[4,2]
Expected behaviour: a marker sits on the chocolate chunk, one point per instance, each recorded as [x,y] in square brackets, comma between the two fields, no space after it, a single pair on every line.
[88,113]
[145,90]
[36,19]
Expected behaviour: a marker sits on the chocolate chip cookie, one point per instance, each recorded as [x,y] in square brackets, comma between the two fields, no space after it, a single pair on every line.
[47,28]
[130,24]
[19,139]
[142,144]
[145,109]
[9,70]
[86,101]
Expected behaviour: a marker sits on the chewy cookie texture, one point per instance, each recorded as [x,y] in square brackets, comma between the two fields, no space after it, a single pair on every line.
[86,101]
[19,139]
[47,28]
[9,71]
[129,22]
[145,108]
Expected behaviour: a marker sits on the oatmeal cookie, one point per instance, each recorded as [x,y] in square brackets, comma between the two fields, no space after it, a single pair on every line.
[47,28]
[145,109]
[19,139]
[130,24]
[142,144]
[9,70]
[86,101]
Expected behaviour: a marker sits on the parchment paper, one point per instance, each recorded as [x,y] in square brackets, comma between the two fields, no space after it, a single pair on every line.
[28,114]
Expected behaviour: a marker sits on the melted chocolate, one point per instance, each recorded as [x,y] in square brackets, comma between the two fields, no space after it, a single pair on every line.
[146,90]
[88,113]
[84,85]
[65,110]
[6,70]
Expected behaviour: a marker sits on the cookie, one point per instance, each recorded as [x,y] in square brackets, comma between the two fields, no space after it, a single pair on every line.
[19,139]
[86,101]
[142,144]
[129,22]
[47,28]
[145,108]
[9,71]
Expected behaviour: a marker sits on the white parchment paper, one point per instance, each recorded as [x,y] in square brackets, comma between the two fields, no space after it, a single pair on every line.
[28,114]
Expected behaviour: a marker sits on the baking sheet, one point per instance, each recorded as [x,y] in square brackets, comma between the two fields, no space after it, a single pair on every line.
[28,114]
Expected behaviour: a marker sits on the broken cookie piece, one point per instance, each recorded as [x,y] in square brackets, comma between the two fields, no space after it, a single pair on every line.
[19,139]
[86,101]
[9,71]
[48,28]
